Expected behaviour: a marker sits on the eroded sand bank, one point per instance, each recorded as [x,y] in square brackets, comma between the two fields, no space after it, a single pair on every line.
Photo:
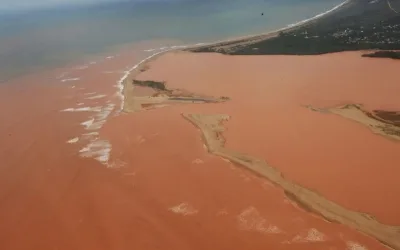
[339,158]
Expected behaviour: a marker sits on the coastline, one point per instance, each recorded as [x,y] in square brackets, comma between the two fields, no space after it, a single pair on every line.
[299,192]
[370,218]
[82,171]
[264,36]
[130,74]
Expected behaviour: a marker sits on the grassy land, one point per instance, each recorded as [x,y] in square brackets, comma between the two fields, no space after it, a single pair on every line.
[150,84]
[359,25]
[384,54]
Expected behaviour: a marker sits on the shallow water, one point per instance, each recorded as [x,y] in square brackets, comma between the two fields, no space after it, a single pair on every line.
[31,41]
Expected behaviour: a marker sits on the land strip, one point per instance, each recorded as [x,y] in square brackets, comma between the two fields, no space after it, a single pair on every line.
[212,128]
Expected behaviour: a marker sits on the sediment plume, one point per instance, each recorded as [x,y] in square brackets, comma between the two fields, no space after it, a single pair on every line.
[211,127]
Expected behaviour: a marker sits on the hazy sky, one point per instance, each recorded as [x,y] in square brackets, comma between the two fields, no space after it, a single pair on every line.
[28,4]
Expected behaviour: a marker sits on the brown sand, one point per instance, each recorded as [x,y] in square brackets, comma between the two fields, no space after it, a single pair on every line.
[145,95]
[269,120]
[384,123]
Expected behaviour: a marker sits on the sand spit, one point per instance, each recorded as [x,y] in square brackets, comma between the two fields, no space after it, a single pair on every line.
[161,96]
[122,82]
[96,97]
[385,123]
[212,128]
[337,157]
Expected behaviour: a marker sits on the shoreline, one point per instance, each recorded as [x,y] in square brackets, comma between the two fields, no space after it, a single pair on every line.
[124,85]
[364,217]
[77,167]
[270,34]
[211,127]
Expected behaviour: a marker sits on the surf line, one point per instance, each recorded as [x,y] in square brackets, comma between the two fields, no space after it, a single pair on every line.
[120,83]
[390,6]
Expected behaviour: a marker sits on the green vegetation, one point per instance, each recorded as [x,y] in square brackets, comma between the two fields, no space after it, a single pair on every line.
[224,98]
[359,25]
[151,84]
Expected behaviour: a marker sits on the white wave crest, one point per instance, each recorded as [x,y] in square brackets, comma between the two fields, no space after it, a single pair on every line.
[73,140]
[319,15]
[84,109]
[70,79]
[99,150]
[120,82]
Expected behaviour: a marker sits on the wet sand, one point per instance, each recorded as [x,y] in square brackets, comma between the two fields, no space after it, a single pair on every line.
[313,149]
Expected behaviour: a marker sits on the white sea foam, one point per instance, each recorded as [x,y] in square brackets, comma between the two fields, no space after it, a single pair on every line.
[62,75]
[110,57]
[250,219]
[112,72]
[97,121]
[184,209]
[95,97]
[80,104]
[73,140]
[313,235]
[355,246]
[84,109]
[91,134]
[101,117]
[70,79]
[319,15]
[179,46]
[82,67]
[282,29]
[120,82]
[88,123]
[98,149]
